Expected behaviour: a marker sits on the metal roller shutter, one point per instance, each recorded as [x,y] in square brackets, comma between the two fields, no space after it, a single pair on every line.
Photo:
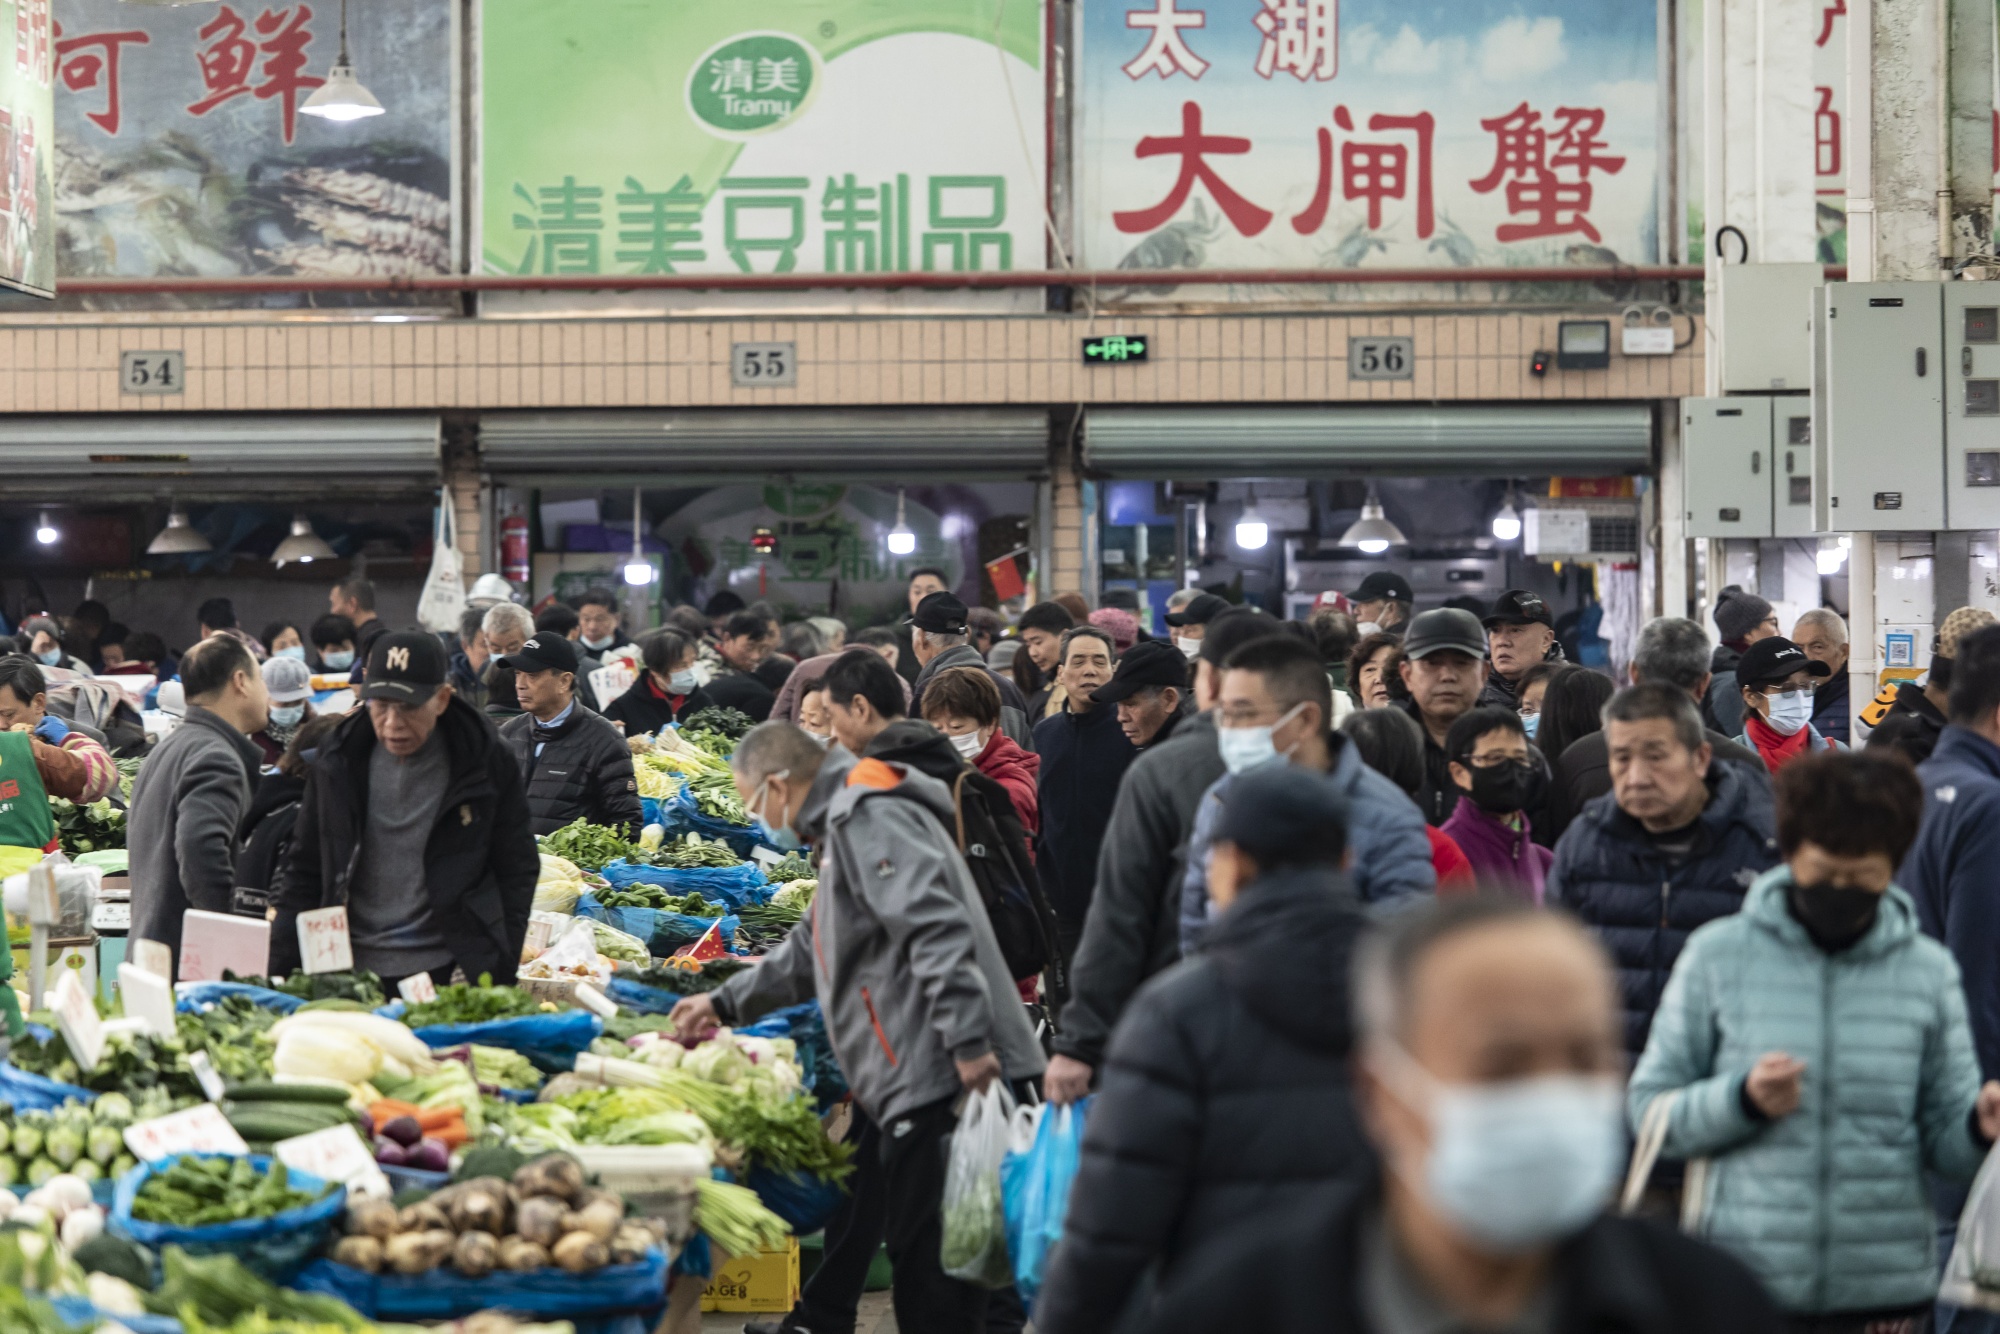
[547,448]
[239,456]
[1386,439]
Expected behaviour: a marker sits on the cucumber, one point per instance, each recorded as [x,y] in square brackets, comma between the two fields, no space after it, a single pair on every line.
[277,1120]
[265,1090]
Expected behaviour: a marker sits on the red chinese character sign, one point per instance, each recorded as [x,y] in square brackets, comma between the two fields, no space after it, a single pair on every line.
[27,147]
[183,148]
[1317,134]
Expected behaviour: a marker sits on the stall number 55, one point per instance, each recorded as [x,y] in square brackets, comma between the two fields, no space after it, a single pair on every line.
[152,372]
[1381,358]
[764,365]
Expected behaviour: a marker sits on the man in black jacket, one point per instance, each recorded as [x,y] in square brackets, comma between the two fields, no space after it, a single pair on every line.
[1149,690]
[417,790]
[747,639]
[575,763]
[1084,754]
[1491,1083]
[1225,1094]
[1444,668]
[940,637]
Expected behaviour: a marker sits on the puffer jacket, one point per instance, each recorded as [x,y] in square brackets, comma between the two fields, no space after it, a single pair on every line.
[896,946]
[1828,1205]
[1642,906]
[1950,873]
[1225,1096]
[1390,859]
[583,773]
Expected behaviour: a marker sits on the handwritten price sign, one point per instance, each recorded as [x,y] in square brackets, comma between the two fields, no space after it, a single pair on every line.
[323,943]
[199,1129]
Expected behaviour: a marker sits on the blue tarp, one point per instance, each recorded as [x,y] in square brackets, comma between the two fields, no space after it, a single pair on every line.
[664,932]
[272,1246]
[35,1093]
[551,1041]
[732,886]
[189,997]
[542,1294]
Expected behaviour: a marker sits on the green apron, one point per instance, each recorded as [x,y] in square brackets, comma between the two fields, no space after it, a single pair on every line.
[27,827]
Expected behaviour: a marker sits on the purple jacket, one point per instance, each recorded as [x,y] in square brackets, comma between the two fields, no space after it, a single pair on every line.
[1501,856]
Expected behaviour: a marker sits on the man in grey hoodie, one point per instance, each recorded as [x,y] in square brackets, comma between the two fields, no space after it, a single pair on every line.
[898,951]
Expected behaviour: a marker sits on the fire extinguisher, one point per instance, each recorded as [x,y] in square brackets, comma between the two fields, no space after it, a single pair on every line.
[514,549]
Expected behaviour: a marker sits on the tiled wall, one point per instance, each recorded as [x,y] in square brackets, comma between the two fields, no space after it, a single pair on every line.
[594,363]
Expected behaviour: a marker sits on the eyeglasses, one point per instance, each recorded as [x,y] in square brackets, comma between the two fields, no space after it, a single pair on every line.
[1772,691]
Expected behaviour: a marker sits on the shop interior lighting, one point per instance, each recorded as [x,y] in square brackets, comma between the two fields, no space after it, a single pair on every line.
[1832,554]
[1507,522]
[1372,532]
[303,545]
[902,541]
[638,570]
[1252,532]
[46,531]
[178,538]
[341,97]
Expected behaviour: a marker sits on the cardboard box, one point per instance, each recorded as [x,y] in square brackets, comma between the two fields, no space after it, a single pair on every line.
[767,1281]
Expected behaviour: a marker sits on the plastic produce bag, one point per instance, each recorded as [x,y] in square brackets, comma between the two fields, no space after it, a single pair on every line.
[731,885]
[27,1092]
[663,931]
[679,814]
[1972,1275]
[975,1224]
[1034,1184]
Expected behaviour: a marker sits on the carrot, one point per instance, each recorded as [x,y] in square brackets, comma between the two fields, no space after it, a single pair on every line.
[451,1135]
[388,1109]
[429,1119]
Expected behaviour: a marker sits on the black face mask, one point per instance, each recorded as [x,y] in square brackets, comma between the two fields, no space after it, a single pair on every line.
[1835,916]
[1501,789]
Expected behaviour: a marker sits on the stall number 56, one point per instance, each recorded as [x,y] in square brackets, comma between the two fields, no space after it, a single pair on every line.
[1381,358]
[152,372]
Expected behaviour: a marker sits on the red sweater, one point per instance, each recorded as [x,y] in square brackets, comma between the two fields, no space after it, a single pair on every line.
[1454,871]
[1014,769]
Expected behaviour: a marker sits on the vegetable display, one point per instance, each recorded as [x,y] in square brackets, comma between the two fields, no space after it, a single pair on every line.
[719,720]
[87,1141]
[715,796]
[88,828]
[691,851]
[793,866]
[219,1290]
[469,1003]
[587,846]
[132,1064]
[360,986]
[641,895]
[736,1220]
[199,1192]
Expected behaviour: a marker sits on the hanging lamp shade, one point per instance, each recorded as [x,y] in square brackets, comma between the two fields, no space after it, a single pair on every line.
[303,545]
[178,538]
[1372,532]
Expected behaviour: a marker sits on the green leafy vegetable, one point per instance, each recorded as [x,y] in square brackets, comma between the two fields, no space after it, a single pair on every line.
[589,846]
[197,1192]
[464,1003]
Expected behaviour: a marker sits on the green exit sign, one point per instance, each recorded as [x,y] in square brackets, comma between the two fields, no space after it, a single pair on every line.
[1114,349]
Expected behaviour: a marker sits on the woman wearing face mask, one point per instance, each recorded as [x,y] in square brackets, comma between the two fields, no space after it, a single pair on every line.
[1777,680]
[333,642]
[1501,777]
[283,640]
[666,692]
[964,704]
[1816,1049]
[44,640]
[290,682]
[1528,693]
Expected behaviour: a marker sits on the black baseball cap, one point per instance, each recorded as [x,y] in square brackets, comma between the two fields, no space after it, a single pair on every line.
[406,667]
[546,652]
[1150,662]
[939,614]
[1517,606]
[1383,584]
[1771,660]
[1200,610]
[1446,628]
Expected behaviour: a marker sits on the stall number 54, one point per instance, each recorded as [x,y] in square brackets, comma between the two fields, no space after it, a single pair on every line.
[152,372]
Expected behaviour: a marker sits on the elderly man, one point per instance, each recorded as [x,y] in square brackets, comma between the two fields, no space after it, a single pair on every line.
[575,762]
[1444,669]
[1676,844]
[1520,632]
[940,636]
[507,627]
[1084,755]
[1150,690]
[1190,621]
[414,816]
[1822,636]
[1382,602]
[902,959]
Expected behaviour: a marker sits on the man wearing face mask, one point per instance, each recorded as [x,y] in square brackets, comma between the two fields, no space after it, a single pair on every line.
[1444,668]
[1498,780]
[1489,1082]
[1383,602]
[1816,1051]
[1190,622]
[1776,680]
[1084,754]
[919,1007]
[333,642]
[1274,708]
[289,683]
[597,621]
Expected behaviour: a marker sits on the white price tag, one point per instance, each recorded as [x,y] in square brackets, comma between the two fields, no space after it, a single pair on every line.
[205,1075]
[44,906]
[595,1001]
[77,1017]
[541,930]
[764,856]
[213,943]
[148,997]
[154,957]
[610,681]
[323,944]
[417,988]
[198,1129]
[334,1154]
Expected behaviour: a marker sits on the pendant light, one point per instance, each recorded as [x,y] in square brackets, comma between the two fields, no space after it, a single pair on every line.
[1507,522]
[341,97]
[1372,532]
[1252,532]
[46,531]
[638,570]
[902,542]
[303,545]
[178,538]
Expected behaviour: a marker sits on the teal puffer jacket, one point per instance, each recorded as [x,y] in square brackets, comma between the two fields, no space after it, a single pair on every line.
[1827,1205]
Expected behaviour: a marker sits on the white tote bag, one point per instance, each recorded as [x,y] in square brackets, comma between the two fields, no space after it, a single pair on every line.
[443,600]
[1652,1137]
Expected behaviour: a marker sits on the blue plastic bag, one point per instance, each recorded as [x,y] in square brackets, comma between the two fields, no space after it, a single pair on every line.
[79,1312]
[549,1041]
[664,932]
[274,1247]
[1034,1192]
[804,1201]
[733,886]
[679,814]
[38,1093]
[543,1294]
[189,997]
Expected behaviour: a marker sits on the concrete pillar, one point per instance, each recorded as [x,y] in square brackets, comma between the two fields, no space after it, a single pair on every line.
[1067,554]
[1670,521]
[466,491]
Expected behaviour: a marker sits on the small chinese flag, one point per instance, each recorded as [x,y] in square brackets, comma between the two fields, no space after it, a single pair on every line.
[1006,576]
[710,946]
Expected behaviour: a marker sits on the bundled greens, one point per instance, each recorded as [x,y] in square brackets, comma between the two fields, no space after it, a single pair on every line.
[589,846]
[715,796]
[466,1003]
[502,1068]
[685,981]
[198,1192]
[360,986]
[736,1220]
[132,1063]
[794,866]
[692,851]
[640,895]
[728,723]
[217,1289]
[88,828]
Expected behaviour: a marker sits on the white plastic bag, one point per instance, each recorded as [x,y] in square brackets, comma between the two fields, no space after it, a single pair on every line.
[975,1222]
[1972,1275]
[443,598]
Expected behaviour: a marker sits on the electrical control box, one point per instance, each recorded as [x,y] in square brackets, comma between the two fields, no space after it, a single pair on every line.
[1878,407]
[1761,326]
[1972,405]
[1791,467]
[1728,461]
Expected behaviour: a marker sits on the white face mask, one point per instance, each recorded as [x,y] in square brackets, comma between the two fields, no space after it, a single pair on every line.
[1190,648]
[1789,712]
[1244,748]
[1363,629]
[596,644]
[968,744]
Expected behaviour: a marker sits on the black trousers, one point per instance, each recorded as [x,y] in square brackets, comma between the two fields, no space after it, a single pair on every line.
[831,1299]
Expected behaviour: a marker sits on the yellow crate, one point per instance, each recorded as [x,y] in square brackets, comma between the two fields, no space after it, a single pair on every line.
[767,1281]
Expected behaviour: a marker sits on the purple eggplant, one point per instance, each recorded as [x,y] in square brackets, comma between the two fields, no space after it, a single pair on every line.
[430,1155]
[403,1129]
[389,1153]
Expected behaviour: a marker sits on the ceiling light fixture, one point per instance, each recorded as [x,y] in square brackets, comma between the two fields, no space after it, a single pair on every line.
[1372,532]
[638,570]
[1252,532]
[1507,523]
[46,531]
[902,542]
[341,97]
[303,545]
[178,538]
